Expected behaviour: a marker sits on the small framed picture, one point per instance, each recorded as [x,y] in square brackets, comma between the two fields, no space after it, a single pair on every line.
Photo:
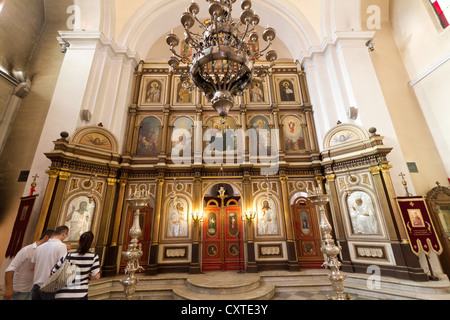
[153,90]
[258,93]
[287,90]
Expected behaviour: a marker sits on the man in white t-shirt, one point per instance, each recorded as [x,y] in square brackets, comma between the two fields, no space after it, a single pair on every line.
[18,275]
[45,258]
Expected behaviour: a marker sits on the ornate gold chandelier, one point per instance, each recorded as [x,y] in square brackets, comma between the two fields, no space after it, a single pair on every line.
[222,65]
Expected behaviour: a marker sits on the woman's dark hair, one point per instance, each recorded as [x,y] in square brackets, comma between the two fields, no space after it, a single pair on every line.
[85,242]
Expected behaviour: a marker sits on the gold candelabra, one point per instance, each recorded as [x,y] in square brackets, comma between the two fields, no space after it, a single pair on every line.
[329,249]
[137,201]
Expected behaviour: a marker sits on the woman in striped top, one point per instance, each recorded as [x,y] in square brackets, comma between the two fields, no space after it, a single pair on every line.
[87,268]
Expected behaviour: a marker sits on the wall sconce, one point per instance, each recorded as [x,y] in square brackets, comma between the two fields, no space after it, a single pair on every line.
[370,44]
[197,216]
[64,44]
[250,215]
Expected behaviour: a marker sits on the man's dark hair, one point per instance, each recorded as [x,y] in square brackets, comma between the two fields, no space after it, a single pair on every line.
[85,242]
[48,233]
[60,230]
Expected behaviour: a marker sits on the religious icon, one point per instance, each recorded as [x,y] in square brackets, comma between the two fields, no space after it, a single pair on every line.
[212,250]
[79,217]
[293,134]
[177,225]
[362,214]
[253,47]
[261,125]
[415,216]
[186,50]
[148,137]
[183,95]
[233,227]
[444,217]
[182,136]
[212,224]
[309,249]
[221,135]
[267,217]
[233,250]
[256,92]
[304,220]
[287,91]
[343,137]
[153,92]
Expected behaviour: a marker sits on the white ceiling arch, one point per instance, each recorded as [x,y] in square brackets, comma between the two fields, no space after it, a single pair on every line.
[156,17]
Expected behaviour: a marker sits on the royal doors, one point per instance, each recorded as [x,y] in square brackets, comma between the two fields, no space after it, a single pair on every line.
[307,235]
[222,237]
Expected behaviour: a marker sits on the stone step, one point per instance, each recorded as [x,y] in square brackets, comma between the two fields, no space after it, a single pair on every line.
[265,291]
[223,284]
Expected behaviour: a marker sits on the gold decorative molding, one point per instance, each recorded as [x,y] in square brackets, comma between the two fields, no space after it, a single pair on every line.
[122,183]
[330,177]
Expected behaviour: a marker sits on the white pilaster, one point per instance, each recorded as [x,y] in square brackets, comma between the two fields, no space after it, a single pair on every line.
[96,74]
[341,75]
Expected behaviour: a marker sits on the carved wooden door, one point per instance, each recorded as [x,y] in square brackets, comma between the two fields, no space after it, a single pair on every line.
[307,234]
[222,237]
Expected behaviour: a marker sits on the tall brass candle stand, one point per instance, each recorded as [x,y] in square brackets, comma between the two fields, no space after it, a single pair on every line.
[329,249]
[137,202]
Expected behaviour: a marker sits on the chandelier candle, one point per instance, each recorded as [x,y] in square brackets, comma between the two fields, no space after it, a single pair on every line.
[222,66]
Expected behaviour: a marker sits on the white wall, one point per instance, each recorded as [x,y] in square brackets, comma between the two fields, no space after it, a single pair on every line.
[425,48]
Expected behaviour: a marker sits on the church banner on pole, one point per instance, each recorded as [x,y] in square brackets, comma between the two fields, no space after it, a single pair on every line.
[419,226]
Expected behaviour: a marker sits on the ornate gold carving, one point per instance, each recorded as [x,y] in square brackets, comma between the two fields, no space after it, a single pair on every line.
[122,183]
[111,181]
[374,170]
[385,168]
[330,177]
[53,174]
[64,175]
[283,179]
[319,179]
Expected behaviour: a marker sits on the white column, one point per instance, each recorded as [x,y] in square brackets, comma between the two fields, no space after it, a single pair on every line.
[340,75]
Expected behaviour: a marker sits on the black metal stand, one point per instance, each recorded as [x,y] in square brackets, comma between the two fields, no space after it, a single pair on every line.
[239,239]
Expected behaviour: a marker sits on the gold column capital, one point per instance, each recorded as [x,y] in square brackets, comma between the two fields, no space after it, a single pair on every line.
[374,170]
[283,179]
[111,181]
[330,177]
[64,175]
[122,182]
[198,180]
[385,168]
[53,174]
[160,181]
[247,180]
[319,179]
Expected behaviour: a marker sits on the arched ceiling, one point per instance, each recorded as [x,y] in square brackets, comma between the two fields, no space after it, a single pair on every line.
[141,24]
